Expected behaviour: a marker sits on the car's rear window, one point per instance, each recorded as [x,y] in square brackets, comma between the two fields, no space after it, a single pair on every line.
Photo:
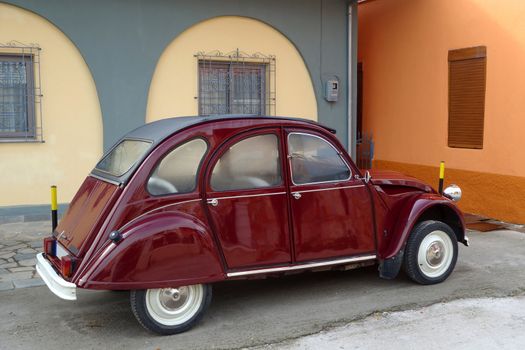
[123,157]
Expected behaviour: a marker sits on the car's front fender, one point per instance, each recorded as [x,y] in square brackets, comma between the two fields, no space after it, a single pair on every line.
[424,206]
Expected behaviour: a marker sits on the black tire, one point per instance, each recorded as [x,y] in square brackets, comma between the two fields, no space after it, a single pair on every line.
[441,239]
[144,309]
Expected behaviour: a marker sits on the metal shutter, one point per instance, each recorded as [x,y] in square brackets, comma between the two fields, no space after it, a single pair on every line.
[466,97]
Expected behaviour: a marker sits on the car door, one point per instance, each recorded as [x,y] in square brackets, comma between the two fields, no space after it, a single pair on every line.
[247,200]
[330,208]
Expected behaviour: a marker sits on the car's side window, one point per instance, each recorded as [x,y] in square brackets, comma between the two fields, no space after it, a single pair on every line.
[253,162]
[315,160]
[177,171]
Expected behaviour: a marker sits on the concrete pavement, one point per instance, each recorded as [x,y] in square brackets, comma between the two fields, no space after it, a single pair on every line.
[259,312]
[486,323]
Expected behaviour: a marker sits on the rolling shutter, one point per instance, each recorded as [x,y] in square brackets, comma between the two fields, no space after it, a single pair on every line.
[466,97]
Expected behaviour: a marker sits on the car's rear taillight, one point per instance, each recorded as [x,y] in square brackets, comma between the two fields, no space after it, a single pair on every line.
[66,266]
[49,246]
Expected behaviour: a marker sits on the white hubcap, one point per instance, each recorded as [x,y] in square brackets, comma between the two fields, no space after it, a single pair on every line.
[435,254]
[174,306]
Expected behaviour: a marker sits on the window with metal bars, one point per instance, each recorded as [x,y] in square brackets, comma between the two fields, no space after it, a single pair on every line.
[17,92]
[236,83]
[232,88]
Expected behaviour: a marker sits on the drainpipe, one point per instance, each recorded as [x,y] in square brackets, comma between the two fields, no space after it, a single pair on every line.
[352,77]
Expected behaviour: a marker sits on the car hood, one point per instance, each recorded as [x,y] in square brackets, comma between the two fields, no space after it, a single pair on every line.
[393,178]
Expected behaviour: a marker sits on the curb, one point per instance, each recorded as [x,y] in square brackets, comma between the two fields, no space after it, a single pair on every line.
[28,213]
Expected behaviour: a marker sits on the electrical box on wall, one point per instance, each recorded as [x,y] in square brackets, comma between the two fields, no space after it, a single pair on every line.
[331,91]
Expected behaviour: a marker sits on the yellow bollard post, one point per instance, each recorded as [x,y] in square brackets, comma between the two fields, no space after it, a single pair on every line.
[54,208]
[441,176]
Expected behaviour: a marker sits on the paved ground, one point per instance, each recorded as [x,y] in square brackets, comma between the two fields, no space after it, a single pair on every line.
[254,313]
[19,243]
[17,264]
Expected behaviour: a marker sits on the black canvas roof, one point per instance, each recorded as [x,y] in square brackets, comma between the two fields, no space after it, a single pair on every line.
[159,130]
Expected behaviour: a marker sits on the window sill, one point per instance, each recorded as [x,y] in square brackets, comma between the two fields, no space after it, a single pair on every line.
[21,140]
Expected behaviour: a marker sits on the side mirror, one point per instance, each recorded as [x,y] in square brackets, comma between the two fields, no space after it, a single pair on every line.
[453,192]
[365,178]
[368,177]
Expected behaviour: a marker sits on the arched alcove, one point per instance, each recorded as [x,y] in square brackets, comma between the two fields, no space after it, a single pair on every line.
[71,116]
[175,83]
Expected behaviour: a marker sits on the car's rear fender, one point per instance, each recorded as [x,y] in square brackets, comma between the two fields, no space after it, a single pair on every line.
[421,207]
[166,249]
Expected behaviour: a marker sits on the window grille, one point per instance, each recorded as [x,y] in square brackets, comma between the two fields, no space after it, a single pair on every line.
[236,83]
[20,93]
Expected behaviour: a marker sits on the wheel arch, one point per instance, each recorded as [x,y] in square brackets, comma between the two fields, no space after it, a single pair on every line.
[447,215]
[420,208]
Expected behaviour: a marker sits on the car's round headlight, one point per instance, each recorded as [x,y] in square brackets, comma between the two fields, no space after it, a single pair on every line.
[453,192]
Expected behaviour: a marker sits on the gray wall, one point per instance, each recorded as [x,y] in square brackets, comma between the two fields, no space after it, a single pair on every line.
[121,41]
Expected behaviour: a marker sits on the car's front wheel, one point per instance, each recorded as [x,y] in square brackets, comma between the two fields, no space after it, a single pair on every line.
[170,310]
[431,252]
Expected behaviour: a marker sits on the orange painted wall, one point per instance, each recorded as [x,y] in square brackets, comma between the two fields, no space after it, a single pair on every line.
[483,193]
[403,45]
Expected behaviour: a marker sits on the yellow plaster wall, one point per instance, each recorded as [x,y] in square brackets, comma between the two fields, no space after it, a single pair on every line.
[72,121]
[174,86]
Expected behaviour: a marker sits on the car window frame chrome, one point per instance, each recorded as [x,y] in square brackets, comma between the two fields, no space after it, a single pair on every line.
[339,153]
[165,154]
[223,148]
[150,142]
[123,179]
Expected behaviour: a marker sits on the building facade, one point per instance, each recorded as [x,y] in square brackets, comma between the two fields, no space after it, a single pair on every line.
[76,75]
[444,80]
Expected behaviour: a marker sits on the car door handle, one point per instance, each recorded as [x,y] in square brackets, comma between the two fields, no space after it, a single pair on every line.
[213,201]
[296,195]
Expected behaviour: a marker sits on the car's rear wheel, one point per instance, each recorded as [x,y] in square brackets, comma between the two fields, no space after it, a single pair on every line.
[170,310]
[431,252]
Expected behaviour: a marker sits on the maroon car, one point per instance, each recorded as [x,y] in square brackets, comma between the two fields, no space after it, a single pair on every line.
[181,203]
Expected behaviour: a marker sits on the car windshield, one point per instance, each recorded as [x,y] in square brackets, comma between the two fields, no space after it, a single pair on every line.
[123,157]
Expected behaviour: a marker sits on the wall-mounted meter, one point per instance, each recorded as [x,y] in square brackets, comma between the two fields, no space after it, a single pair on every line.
[331,91]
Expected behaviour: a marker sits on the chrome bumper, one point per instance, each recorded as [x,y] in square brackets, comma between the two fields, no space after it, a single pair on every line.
[59,286]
